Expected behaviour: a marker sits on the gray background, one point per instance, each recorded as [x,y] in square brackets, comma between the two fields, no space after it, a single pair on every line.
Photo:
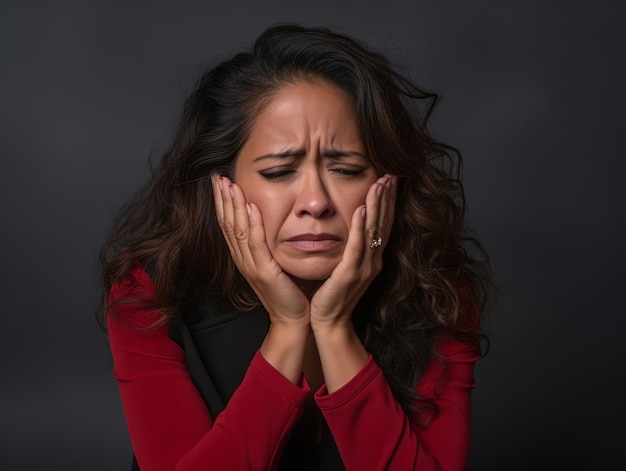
[533,94]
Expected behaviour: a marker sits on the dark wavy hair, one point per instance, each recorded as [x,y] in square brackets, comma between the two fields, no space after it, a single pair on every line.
[435,279]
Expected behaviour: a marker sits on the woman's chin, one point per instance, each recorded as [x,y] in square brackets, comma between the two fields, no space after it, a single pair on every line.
[308,287]
[310,268]
[313,274]
[309,280]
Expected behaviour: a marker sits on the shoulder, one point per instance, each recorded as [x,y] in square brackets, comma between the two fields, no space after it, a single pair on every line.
[138,334]
[136,283]
[129,299]
[453,360]
[453,349]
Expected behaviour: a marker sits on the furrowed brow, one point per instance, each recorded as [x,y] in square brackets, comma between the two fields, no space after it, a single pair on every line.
[282,155]
[342,153]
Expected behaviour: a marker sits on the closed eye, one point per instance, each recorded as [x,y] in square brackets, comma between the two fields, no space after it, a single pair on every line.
[348,171]
[276,174]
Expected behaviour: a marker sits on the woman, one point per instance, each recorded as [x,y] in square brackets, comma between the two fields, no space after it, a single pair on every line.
[291,291]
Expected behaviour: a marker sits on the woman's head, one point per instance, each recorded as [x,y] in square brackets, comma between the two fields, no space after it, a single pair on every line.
[224,110]
[174,227]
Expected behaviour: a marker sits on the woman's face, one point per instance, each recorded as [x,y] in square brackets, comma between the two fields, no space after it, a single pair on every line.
[305,167]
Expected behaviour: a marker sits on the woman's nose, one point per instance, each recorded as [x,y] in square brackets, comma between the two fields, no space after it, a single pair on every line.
[313,198]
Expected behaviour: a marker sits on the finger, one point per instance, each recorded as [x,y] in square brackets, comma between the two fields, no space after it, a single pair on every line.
[258,245]
[249,231]
[217,198]
[241,226]
[228,218]
[355,246]
[373,202]
[387,210]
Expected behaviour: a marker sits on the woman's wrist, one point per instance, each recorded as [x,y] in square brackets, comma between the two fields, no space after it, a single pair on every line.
[341,352]
[284,347]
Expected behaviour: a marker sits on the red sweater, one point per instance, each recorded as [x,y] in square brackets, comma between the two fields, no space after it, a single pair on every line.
[171,429]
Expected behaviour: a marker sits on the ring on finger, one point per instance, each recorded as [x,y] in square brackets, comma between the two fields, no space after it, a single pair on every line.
[376,242]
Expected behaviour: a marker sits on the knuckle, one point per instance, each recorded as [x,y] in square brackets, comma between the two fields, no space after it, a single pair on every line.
[227,228]
[372,231]
[240,234]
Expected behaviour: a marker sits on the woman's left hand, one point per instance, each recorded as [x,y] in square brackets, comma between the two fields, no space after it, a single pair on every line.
[334,301]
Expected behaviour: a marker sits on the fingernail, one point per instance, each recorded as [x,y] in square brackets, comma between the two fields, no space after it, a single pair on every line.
[362,211]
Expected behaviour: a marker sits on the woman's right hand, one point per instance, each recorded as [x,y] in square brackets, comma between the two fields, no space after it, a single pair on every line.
[242,226]
[286,304]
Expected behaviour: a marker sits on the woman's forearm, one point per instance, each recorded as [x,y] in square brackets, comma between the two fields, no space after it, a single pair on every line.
[283,348]
[342,355]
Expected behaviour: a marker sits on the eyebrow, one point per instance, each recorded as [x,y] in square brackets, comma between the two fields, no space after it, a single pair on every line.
[300,152]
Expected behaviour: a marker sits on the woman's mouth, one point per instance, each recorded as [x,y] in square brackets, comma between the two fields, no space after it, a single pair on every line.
[314,242]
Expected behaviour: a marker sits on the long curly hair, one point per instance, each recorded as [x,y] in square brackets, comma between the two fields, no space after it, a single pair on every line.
[435,279]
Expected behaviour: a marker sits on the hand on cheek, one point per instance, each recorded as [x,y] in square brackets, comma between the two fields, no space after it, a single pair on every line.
[242,226]
[334,302]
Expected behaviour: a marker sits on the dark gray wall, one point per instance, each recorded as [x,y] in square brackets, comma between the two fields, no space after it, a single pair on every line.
[533,93]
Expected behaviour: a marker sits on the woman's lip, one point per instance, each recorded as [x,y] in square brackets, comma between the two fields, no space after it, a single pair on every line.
[309,245]
[313,242]
[313,237]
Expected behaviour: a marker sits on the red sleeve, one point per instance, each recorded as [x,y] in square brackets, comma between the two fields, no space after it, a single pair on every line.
[169,425]
[373,432]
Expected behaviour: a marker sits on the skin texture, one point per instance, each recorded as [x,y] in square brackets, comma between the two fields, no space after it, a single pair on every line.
[320,183]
